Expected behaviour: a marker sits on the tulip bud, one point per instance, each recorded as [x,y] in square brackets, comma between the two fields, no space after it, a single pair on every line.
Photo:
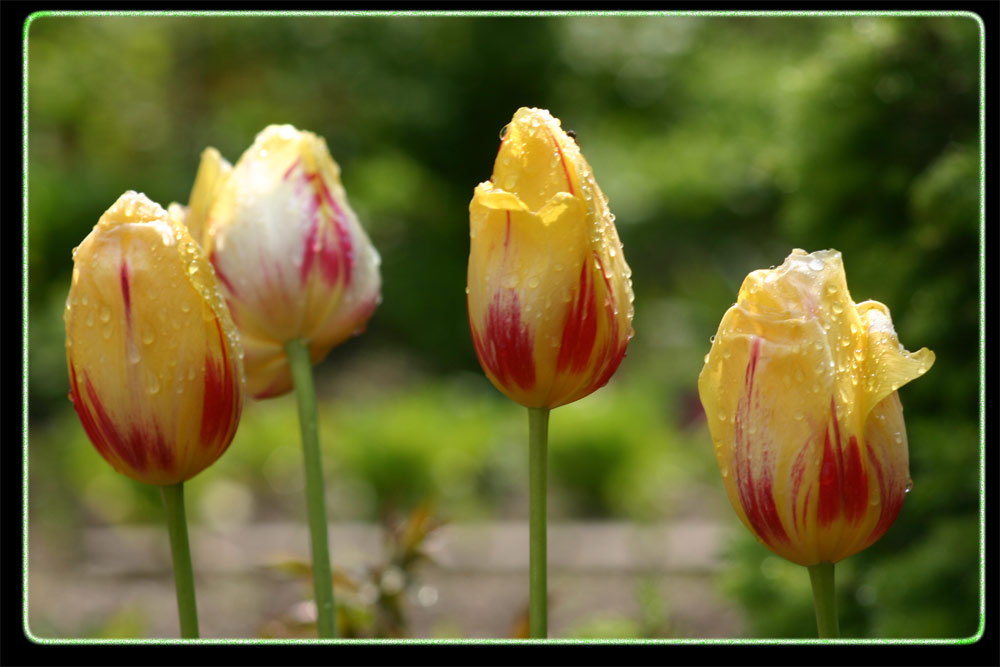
[290,253]
[155,364]
[799,390]
[549,292]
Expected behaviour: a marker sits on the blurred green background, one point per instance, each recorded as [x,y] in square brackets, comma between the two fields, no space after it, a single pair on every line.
[721,142]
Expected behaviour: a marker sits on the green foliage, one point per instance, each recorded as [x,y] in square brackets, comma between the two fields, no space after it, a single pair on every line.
[722,143]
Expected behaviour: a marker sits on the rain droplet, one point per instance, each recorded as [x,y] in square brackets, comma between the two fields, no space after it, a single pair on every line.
[533,283]
[509,281]
[105,314]
[557,267]
[186,307]
[133,353]
[909,486]
[798,416]
[147,336]
[90,318]
[191,373]
[106,333]
[836,307]
[816,264]
[898,437]
[152,383]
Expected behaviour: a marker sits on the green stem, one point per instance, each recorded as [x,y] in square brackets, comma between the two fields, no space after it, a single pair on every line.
[180,552]
[825,600]
[305,394]
[538,435]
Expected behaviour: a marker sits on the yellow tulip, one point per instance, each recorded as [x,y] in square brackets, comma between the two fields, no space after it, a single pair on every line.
[293,260]
[799,390]
[155,364]
[549,292]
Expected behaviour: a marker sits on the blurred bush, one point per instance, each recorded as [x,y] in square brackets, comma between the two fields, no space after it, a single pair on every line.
[721,142]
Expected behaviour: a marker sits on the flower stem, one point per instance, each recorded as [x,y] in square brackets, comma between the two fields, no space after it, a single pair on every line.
[538,436]
[180,552]
[824,597]
[305,394]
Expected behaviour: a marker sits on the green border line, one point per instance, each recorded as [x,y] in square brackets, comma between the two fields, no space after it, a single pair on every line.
[524,14]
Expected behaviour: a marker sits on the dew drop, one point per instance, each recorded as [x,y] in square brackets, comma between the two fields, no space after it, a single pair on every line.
[152,383]
[816,264]
[147,336]
[798,416]
[106,333]
[90,318]
[711,339]
[133,353]
[191,373]
[898,437]
[105,314]
[85,300]
[722,416]
[836,307]
[533,283]
[706,358]
[909,486]
[557,267]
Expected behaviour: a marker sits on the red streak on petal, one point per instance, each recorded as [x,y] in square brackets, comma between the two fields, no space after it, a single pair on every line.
[218,272]
[506,348]
[580,330]
[89,426]
[855,484]
[327,240]
[562,159]
[613,350]
[831,476]
[798,473]
[756,495]
[218,416]
[291,168]
[126,296]
[131,449]
[892,500]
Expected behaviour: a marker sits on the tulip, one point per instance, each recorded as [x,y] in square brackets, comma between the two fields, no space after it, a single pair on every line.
[549,292]
[154,360]
[155,364]
[293,260]
[800,392]
[300,276]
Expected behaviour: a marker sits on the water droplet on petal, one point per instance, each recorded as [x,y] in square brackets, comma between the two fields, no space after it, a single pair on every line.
[105,314]
[909,486]
[816,264]
[90,318]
